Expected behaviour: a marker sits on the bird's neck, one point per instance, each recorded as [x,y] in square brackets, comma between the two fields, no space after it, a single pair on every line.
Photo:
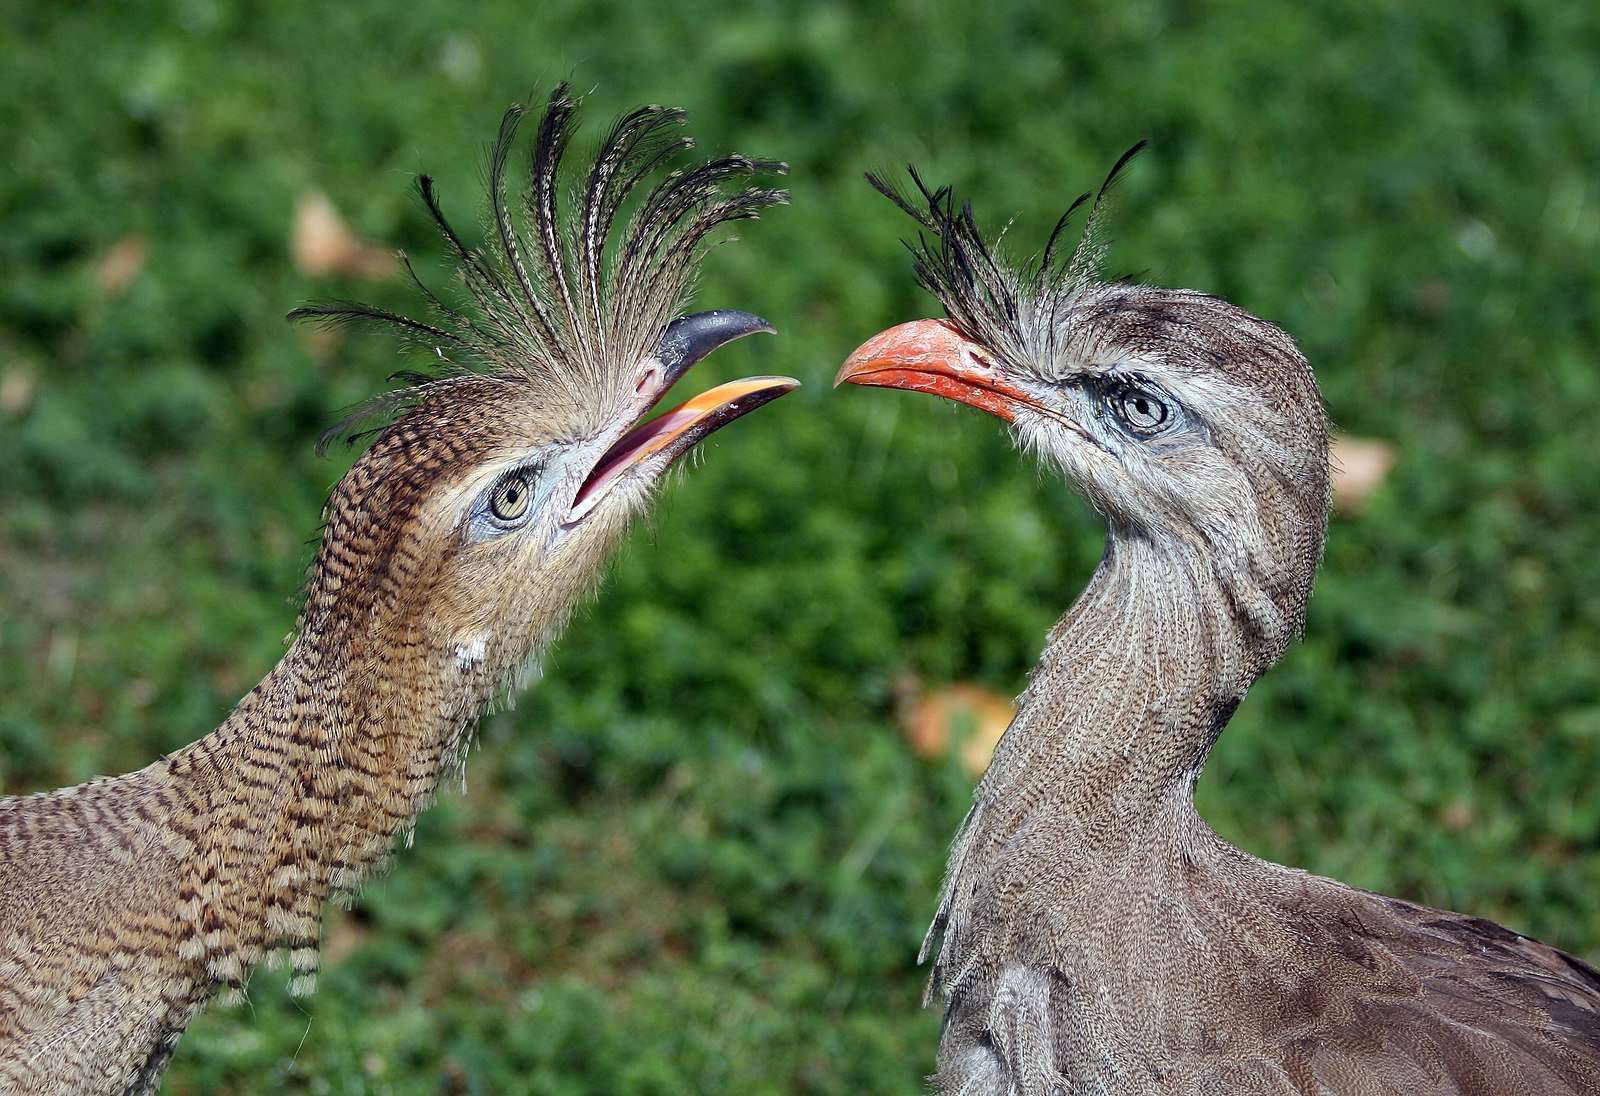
[1135,684]
[304,788]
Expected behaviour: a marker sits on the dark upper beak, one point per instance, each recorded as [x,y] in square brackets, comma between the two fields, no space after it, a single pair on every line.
[671,434]
[933,356]
[690,339]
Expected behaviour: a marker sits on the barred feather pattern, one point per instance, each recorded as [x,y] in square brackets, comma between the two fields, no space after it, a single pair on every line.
[126,903]
[1093,935]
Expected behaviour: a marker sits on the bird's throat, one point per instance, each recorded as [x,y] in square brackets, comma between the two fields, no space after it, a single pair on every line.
[1134,686]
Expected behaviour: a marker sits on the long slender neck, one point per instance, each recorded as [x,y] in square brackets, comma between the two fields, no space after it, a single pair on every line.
[303,789]
[1090,796]
[1135,684]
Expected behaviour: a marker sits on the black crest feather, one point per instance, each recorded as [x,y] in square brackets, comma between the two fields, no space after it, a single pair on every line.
[1004,306]
[562,299]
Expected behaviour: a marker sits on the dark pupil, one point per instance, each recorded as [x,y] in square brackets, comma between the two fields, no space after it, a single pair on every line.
[1143,410]
[510,501]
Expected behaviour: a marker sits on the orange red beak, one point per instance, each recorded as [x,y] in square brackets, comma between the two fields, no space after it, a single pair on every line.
[933,356]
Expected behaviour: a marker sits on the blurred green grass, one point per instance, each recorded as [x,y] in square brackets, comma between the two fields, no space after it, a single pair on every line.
[699,856]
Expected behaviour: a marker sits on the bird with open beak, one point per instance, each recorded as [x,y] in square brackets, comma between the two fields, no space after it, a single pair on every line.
[496,485]
[1094,935]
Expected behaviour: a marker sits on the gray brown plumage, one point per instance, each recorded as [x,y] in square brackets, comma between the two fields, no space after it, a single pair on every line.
[495,489]
[1094,935]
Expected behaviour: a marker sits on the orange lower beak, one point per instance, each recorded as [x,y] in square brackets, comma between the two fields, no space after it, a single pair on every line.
[933,356]
[673,433]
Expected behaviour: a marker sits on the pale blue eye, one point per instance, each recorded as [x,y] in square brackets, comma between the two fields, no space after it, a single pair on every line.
[1141,409]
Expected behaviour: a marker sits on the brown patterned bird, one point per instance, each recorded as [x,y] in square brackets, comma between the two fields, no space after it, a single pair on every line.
[1094,935]
[496,488]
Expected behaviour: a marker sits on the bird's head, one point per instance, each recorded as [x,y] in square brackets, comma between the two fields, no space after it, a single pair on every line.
[1190,424]
[500,480]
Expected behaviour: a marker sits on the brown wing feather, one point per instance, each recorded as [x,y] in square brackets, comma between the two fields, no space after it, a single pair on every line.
[1484,1011]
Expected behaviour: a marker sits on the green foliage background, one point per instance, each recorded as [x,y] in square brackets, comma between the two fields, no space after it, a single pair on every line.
[699,856]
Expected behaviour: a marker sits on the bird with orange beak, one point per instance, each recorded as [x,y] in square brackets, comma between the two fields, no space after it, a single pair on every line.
[495,487]
[1093,934]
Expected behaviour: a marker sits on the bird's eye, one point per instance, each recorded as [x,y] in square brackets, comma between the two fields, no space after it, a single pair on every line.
[509,499]
[1141,410]
[506,504]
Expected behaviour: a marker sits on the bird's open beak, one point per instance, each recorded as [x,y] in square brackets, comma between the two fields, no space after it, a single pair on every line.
[665,438]
[933,356]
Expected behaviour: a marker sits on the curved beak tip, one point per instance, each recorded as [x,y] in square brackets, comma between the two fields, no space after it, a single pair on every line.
[933,356]
[673,433]
[689,339]
[926,344]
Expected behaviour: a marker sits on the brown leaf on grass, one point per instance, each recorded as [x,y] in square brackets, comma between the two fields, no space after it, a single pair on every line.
[322,244]
[17,385]
[1457,816]
[116,270]
[1359,466]
[963,716]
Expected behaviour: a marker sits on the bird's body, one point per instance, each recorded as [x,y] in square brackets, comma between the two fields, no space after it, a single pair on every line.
[1094,935]
[1097,931]
[451,554]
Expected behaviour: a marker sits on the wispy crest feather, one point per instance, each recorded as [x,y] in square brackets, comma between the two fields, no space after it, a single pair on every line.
[1010,307]
[560,299]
